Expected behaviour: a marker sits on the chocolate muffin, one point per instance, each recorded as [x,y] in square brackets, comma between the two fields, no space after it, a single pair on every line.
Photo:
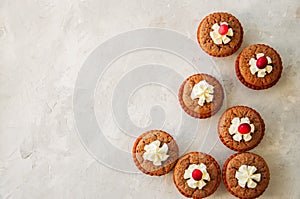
[246,175]
[220,34]
[201,96]
[241,128]
[258,67]
[197,175]
[155,153]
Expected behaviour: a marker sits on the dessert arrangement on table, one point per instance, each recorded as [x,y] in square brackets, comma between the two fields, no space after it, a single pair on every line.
[197,175]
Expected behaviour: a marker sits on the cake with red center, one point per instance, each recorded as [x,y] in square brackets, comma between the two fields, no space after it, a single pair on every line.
[258,67]
[220,34]
[197,175]
[155,153]
[246,175]
[201,95]
[241,128]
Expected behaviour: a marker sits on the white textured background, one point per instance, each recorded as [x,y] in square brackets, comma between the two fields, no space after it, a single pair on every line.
[43,44]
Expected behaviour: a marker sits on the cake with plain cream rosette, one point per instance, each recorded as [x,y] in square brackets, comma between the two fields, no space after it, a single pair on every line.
[155,152]
[201,96]
[246,175]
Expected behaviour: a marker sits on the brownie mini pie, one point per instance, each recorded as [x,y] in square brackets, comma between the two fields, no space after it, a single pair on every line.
[201,95]
[155,153]
[197,175]
[258,67]
[241,128]
[246,175]
[220,34]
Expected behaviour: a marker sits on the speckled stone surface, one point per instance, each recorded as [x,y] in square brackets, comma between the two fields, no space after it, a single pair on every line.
[43,44]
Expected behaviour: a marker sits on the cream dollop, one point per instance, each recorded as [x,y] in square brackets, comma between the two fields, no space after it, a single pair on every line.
[217,37]
[203,91]
[260,72]
[233,129]
[245,176]
[193,183]
[155,153]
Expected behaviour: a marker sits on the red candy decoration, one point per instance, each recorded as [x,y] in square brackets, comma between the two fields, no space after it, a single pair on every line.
[244,128]
[261,62]
[197,174]
[223,29]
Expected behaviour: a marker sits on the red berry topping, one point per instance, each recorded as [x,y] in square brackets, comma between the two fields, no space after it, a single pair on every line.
[197,174]
[223,29]
[261,62]
[244,128]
